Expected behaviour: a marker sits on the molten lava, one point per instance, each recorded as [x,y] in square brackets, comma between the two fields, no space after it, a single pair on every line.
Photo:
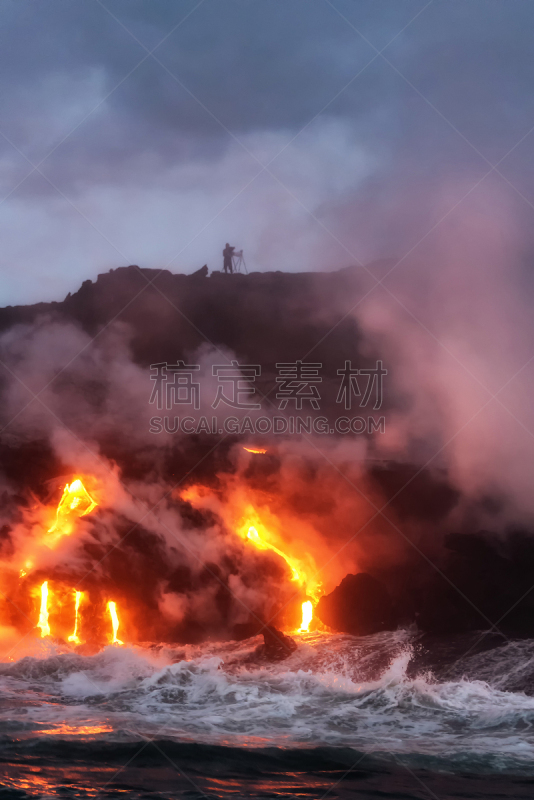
[75,502]
[74,635]
[307,616]
[67,611]
[24,571]
[257,450]
[43,613]
[254,536]
[298,574]
[112,608]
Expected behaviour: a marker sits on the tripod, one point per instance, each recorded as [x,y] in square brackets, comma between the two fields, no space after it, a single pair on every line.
[238,261]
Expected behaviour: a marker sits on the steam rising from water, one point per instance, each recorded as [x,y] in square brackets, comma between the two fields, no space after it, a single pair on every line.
[454,321]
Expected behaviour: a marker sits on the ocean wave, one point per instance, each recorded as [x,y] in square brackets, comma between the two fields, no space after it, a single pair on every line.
[334,691]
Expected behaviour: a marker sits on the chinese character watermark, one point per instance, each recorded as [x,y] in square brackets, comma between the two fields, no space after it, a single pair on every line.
[178,384]
[349,385]
[297,384]
[181,390]
[238,379]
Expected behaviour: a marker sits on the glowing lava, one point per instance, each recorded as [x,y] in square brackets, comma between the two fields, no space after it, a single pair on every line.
[297,574]
[112,608]
[43,613]
[256,450]
[260,543]
[307,615]
[74,635]
[75,502]
[24,571]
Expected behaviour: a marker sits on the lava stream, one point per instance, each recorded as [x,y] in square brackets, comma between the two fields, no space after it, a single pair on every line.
[112,608]
[75,501]
[43,613]
[296,574]
[74,635]
[307,616]
[254,536]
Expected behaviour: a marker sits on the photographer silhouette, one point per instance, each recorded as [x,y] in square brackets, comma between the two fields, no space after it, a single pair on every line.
[227,255]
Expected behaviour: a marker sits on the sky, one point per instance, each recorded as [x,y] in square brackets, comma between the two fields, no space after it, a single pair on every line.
[314,134]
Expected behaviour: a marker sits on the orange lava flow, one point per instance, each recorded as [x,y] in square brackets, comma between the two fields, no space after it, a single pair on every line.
[75,502]
[307,616]
[256,450]
[112,608]
[74,635]
[298,572]
[261,544]
[43,613]
[24,571]
[62,729]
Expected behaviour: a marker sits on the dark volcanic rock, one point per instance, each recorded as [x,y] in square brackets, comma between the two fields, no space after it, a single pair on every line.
[446,582]
[277,645]
[487,580]
[245,630]
[359,605]
[262,317]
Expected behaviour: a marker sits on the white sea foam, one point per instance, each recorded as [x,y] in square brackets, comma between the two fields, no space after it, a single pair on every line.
[334,690]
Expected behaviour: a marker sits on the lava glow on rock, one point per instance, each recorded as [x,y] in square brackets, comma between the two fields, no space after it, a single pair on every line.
[75,502]
[43,611]
[71,612]
[74,635]
[265,531]
[297,575]
[112,608]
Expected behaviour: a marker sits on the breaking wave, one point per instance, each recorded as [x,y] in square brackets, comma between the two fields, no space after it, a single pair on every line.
[335,691]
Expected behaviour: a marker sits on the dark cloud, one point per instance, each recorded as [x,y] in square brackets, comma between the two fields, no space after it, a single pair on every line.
[265,66]
[238,80]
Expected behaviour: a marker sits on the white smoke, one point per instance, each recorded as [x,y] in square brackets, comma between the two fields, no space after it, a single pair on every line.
[454,323]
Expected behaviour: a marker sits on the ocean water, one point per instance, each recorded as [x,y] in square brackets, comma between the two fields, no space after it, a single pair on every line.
[385,716]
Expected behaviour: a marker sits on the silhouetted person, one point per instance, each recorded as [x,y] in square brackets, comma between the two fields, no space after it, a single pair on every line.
[227,254]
